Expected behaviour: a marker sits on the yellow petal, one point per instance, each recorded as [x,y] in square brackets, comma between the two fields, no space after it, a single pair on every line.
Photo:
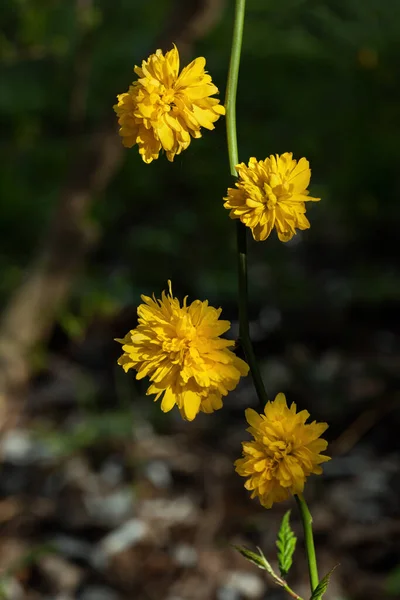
[168,401]
[165,135]
[191,404]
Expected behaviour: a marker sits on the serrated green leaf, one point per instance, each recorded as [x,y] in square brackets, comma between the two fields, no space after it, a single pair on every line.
[256,559]
[259,560]
[286,544]
[322,586]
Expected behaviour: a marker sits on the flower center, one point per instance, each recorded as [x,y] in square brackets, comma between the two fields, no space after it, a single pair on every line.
[280,449]
[270,197]
[167,98]
[275,193]
[179,344]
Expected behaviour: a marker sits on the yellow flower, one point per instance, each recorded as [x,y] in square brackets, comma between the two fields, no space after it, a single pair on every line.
[179,349]
[162,109]
[284,452]
[269,193]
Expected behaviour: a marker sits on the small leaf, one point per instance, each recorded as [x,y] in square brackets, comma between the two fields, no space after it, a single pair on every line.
[286,544]
[268,567]
[259,560]
[322,586]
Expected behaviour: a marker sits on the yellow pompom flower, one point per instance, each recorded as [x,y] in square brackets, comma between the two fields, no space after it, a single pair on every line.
[271,193]
[285,451]
[180,349]
[164,109]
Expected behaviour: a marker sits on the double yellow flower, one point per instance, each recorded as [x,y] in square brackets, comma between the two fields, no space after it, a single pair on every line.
[179,346]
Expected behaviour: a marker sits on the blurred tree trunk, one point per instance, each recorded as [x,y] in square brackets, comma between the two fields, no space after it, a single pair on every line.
[35,304]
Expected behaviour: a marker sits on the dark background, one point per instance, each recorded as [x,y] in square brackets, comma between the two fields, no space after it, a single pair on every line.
[102,496]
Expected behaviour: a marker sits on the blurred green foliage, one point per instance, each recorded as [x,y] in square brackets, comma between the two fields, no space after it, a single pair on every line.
[319,78]
[26,560]
[393,582]
[111,426]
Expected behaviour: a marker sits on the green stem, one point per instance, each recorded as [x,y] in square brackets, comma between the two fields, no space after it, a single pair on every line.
[287,589]
[306,520]
[241,232]
[291,592]
[232,83]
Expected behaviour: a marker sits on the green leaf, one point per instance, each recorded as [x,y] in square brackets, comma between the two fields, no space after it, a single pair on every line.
[252,557]
[322,586]
[259,560]
[286,544]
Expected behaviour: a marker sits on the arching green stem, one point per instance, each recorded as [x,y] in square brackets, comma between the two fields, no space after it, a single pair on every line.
[241,232]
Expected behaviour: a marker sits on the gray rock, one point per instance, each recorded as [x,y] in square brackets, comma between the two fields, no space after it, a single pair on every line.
[185,555]
[126,536]
[227,593]
[245,584]
[97,592]
[111,509]
[172,512]
[112,472]
[158,473]
[18,448]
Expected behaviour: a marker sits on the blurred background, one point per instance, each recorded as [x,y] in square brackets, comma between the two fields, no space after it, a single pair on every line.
[102,496]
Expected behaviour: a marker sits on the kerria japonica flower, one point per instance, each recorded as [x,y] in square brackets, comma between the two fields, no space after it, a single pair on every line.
[180,349]
[271,193]
[285,451]
[164,109]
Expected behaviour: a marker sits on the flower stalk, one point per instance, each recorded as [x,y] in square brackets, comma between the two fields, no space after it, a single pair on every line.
[241,233]
[306,520]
